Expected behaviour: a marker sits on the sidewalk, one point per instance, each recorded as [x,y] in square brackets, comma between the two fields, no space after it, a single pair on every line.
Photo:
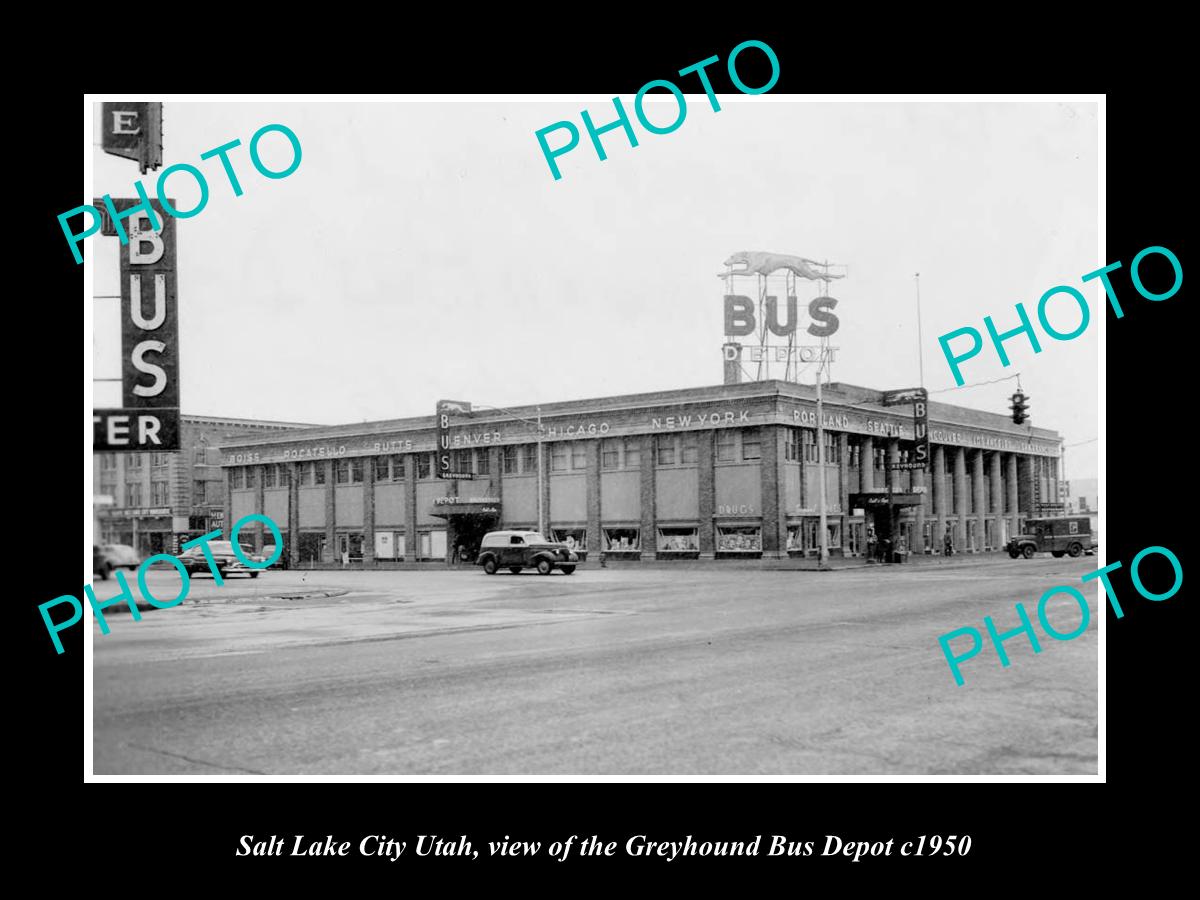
[833,564]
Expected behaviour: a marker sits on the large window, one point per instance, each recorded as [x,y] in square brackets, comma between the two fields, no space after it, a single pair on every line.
[133,495]
[791,445]
[622,539]
[199,493]
[268,476]
[312,474]
[108,462]
[610,453]
[739,539]
[133,460]
[833,448]
[578,456]
[529,458]
[689,448]
[251,477]
[558,457]
[483,461]
[665,449]
[678,540]
[726,445]
[158,460]
[389,545]
[160,493]
[633,453]
[383,470]
[880,459]
[574,538]
[508,460]
[237,478]
[809,440]
[424,465]
[341,471]
[751,443]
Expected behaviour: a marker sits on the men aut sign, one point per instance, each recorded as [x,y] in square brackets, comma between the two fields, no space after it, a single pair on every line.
[149,419]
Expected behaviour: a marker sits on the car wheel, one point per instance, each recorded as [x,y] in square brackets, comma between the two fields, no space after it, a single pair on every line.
[105,571]
[1057,554]
[490,567]
[253,574]
[1013,553]
[1075,550]
[516,570]
[544,567]
[1028,550]
[568,570]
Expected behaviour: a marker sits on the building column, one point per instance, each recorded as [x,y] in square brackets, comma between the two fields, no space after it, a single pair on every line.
[592,477]
[892,477]
[368,511]
[260,507]
[805,500]
[1013,507]
[844,477]
[962,506]
[708,499]
[941,503]
[769,482]
[226,517]
[410,507]
[647,499]
[545,451]
[1025,484]
[866,465]
[997,514]
[292,544]
[329,554]
[979,487]
[918,481]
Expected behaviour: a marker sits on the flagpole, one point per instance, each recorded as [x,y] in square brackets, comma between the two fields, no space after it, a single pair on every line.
[920,340]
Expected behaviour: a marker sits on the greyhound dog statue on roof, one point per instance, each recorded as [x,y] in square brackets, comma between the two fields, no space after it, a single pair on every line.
[760,263]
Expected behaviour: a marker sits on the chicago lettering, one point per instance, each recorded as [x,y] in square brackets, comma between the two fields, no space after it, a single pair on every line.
[1026,626]
[622,121]
[1026,327]
[144,208]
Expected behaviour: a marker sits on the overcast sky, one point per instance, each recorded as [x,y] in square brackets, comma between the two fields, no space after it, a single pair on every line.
[424,251]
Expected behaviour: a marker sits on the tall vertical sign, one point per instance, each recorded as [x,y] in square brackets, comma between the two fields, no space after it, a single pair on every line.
[445,467]
[149,418]
[133,131]
[921,452]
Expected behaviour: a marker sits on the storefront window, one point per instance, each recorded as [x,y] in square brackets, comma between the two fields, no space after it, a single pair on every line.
[610,453]
[739,538]
[617,539]
[726,445]
[575,538]
[795,540]
[678,540]
[751,444]
[508,460]
[311,545]
[834,532]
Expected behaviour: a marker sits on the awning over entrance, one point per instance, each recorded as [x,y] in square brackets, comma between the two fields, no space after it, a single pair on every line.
[876,500]
[446,510]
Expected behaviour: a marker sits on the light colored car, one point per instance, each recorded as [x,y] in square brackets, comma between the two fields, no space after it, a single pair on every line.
[516,550]
[121,556]
[226,561]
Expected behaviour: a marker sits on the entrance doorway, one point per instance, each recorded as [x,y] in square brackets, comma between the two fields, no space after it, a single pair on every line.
[466,531]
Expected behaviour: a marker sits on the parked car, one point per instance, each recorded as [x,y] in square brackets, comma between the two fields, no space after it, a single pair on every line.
[517,550]
[224,558]
[268,551]
[1069,535]
[101,564]
[122,555]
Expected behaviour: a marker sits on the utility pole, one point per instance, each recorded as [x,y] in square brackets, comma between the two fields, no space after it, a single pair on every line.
[920,341]
[541,476]
[822,530]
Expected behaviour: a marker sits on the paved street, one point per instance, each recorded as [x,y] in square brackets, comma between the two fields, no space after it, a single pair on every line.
[707,669]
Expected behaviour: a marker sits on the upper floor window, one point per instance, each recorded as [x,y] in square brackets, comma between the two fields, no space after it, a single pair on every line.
[751,444]
[726,445]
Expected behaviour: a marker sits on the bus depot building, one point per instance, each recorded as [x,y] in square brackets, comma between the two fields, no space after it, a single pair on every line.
[723,472]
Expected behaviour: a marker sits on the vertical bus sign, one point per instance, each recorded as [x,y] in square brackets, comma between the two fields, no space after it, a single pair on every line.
[921,429]
[445,469]
[149,418]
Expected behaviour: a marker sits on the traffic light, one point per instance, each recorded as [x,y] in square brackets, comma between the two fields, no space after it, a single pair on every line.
[1019,408]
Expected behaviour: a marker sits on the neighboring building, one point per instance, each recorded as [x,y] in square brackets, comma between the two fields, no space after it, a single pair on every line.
[728,471]
[1083,498]
[155,501]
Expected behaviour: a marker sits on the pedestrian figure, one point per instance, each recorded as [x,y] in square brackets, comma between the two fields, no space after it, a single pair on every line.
[949,544]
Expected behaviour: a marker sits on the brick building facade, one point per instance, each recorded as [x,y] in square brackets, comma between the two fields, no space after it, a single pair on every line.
[729,471]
